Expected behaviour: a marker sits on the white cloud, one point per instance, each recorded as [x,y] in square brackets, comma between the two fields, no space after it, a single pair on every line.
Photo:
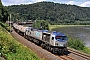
[71,3]
[85,4]
[12,2]
[6,4]
[39,0]
[18,2]
[27,3]
[34,1]
[15,1]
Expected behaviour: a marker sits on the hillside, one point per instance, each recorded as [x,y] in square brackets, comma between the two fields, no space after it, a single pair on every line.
[54,13]
[11,49]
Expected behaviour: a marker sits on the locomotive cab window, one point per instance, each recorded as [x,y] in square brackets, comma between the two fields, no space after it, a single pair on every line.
[61,38]
[52,38]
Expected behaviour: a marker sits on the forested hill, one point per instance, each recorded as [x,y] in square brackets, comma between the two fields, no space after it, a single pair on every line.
[54,13]
[3,13]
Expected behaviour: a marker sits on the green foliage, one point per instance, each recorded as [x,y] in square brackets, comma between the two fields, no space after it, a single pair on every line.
[41,24]
[54,13]
[86,50]
[13,50]
[0,3]
[4,25]
[76,44]
[3,13]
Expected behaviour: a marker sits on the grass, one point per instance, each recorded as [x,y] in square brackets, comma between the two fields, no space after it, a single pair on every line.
[57,26]
[86,50]
[13,50]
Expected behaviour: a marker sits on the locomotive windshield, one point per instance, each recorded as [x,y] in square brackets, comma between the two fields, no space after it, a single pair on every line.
[61,38]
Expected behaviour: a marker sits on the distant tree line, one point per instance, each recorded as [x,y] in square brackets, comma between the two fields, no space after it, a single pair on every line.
[3,13]
[54,13]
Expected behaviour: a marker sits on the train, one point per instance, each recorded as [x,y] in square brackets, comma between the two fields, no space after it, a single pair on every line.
[53,41]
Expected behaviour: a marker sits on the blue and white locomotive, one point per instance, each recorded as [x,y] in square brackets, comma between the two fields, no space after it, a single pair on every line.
[50,40]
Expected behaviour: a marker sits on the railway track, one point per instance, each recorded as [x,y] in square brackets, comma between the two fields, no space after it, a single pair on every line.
[83,55]
[66,57]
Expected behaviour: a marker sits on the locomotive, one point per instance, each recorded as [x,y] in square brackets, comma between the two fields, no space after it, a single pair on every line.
[53,41]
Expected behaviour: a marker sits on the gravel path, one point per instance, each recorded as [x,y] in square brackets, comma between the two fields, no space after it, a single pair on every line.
[42,53]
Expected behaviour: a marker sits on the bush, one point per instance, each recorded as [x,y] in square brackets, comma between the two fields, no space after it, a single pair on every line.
[76,43]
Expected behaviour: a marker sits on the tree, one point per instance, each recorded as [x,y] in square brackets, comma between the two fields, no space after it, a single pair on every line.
[3,13]
[41,24]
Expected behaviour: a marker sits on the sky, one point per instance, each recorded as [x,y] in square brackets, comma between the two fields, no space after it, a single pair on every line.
[82,3]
